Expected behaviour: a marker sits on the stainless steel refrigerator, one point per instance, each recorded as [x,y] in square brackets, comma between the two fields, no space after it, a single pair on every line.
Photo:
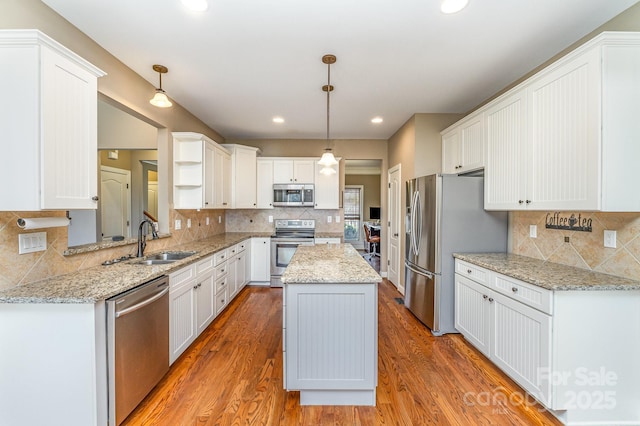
[445,214]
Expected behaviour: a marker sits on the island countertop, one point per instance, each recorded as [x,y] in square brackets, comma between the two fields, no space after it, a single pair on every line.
[101,282]
[329,263]
[549,275]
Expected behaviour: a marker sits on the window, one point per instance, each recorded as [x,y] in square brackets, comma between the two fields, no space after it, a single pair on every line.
[352,203]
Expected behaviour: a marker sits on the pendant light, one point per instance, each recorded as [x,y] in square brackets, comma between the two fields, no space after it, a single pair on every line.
[160,98]
[328,160]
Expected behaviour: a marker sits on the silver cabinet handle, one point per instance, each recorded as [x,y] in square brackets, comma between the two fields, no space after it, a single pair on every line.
[514,289]
[95,198]
[520,201]
[469,271]
[528,201]
[484,296]
[491,300]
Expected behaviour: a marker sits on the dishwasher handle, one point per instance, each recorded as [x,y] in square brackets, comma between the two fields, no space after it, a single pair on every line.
[142,304]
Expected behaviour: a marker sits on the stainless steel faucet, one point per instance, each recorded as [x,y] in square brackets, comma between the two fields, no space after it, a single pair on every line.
[142,238]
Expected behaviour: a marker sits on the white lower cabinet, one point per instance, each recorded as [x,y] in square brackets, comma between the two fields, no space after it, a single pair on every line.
[182,311]
[569,349]
[319,241]
[260,260]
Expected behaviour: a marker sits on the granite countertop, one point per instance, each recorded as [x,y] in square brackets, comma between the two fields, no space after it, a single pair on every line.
[329,235]
[549,275]
[330,263]
[101,282]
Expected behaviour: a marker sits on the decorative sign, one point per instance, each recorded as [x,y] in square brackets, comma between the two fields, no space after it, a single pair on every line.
[571,223]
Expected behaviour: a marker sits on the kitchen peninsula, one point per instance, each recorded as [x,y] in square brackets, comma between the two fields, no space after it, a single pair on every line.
[330,335]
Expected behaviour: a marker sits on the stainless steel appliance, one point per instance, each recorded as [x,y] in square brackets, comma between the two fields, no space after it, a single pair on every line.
[137,345]
[290,233]
[445,214]
[292,195]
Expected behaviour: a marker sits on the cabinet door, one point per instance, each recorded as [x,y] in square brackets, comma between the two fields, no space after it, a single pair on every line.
[221,180]
[282,171]
[303,171]
[245,178]
[226,180]
[472,144]
[521,345]
[264,184]
[260,259]
[327,188]
[507,157]
[205,298]
[473,313]
[565,136]
[208,183]
[241,268]
[451,151]
[69,134]
[182,320]
[232,265]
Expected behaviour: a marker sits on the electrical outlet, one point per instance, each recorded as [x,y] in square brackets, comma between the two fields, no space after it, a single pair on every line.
[270,219]
[329,219]
[533,231]
[219,219]
[206,220]
[188,223]
[610,239]
[337,219]
[177,225]
[29,243]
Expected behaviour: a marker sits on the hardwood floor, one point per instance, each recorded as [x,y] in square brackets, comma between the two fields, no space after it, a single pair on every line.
[232,375]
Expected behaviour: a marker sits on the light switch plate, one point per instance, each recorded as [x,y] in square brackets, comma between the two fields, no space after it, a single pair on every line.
[533,231]
[29,243]
[206,220]
[329,219]
[219,219]
[270,219]
[337,219]
[178,224]
[188,223]
[610,239]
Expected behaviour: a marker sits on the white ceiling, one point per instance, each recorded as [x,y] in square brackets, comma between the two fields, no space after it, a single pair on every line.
[242,62]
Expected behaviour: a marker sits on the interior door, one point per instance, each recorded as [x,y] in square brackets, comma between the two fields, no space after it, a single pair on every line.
[393,236]
[115,195]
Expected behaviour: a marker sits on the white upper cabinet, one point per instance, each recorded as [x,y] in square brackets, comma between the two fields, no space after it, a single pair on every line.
[264,183]
[566,138]
[463,145]
[201,172]
[48,117]
[327,188]
[243,176]
[293,171]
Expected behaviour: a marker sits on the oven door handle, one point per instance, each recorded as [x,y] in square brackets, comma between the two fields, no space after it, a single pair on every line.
[142,304]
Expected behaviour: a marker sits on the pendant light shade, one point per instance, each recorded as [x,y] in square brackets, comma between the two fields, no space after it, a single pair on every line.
[160,98]
[328,160]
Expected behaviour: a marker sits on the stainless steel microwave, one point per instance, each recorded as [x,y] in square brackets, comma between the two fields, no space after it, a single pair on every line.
[292,195]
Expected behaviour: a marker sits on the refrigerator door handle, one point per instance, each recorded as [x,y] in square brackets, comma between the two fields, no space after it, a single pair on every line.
[427,274]
[412,231]
[418,221]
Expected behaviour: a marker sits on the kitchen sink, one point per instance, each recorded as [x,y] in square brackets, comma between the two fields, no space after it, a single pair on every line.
[164,258]
[172,256]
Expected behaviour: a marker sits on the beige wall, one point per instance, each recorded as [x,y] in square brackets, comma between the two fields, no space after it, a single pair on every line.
[122,86]
[428,149]
[371,184]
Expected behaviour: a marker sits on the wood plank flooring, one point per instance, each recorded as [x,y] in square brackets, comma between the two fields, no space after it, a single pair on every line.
[232,375]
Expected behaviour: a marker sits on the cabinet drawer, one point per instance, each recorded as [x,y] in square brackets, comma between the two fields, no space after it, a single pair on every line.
[204,265]
[221,283]
[232,251]
[182,275]
[220,257]
[221,300]
[221,270]
[243,246]
[536,297]
[473,272]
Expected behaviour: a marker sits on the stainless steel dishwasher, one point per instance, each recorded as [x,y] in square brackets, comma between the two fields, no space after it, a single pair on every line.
[137,345]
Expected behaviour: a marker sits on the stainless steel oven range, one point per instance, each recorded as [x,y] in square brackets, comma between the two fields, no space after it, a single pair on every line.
[290,233]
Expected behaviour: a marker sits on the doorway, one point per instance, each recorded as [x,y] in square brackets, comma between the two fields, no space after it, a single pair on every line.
[353,215]
[115,185]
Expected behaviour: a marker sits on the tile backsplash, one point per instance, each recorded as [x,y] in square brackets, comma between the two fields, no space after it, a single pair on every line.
[258,220]
[16,269]
[584,249]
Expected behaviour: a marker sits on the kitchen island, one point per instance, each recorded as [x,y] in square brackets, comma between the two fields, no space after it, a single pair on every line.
[330,320]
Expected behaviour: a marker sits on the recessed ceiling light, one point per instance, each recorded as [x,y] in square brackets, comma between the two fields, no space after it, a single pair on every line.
[278,120]
[453,6]
[376,120]
[196,5]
